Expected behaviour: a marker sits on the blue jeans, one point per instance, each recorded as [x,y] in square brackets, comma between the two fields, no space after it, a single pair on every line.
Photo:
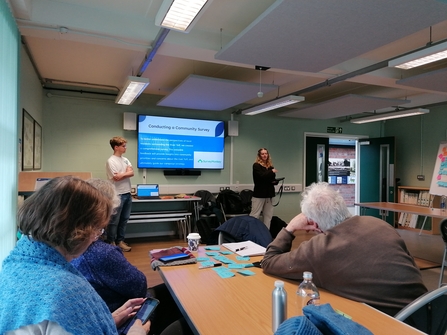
[116,229]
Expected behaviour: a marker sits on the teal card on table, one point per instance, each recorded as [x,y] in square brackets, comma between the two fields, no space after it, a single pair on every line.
[224,272]
[202,259]
[246,272]
[212,248]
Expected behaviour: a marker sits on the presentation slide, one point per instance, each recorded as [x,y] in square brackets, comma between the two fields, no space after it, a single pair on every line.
[180,143]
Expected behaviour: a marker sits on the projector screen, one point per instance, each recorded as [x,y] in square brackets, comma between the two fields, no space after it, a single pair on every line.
[175,143]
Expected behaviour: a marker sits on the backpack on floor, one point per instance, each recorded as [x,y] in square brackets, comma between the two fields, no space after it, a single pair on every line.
[246,196]
[231,202]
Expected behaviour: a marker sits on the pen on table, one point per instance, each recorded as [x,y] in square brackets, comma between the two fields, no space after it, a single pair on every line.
[215,265]
[241,249]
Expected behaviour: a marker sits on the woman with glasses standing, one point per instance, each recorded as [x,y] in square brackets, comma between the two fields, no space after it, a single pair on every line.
[264,190]
[37,281]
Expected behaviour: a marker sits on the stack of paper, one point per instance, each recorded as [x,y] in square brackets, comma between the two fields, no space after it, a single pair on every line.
[247,248]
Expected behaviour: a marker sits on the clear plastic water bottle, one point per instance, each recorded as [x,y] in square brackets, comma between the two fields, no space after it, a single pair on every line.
[443,203]
[279,305]
[307,292]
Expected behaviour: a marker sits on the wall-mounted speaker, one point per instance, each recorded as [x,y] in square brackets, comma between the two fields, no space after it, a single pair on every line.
[233,128]
[130,121]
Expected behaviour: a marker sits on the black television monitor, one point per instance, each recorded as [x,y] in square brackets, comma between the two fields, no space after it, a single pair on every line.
[176,143]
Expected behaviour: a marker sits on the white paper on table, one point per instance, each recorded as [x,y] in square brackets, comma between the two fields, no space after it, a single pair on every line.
[246,248]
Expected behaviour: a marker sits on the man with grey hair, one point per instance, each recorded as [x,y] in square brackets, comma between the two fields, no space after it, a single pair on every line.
[357,257]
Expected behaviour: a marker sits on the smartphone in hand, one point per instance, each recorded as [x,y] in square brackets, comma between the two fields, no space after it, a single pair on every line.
[144,313]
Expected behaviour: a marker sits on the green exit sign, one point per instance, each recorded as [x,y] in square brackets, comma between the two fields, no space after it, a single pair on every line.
[335,130]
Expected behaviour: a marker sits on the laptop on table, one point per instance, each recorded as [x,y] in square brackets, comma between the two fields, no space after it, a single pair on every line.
[148,191]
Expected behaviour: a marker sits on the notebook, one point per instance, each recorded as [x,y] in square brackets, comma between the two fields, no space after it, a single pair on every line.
[247,248]
[148,191]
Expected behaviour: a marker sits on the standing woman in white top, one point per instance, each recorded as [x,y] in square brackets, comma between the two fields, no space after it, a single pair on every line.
[119,171]
[264,190]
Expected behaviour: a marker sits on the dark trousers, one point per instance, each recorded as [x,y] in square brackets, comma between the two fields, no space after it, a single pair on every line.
[167,318]
[116,230]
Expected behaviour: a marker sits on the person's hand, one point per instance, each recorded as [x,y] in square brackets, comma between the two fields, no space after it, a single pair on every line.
[126,311]
[117,176]
[139,329]
[274,170]
[301,222]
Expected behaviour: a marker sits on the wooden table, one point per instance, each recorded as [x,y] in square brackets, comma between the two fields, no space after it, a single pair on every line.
[243,304]
[384,207]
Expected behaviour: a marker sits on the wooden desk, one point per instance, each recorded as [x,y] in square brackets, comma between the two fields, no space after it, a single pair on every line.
[405,208]
[243,304]
[384,207]
[27,180]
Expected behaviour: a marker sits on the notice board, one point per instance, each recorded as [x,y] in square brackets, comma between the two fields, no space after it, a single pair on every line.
[439,180]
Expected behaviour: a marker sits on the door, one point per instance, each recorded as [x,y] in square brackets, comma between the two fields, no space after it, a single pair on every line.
[376,174]
[317,159]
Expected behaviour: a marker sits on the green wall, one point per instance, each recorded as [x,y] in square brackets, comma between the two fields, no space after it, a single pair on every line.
[417,143]
[77,130]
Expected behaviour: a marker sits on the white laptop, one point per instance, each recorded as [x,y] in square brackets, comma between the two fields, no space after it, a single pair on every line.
[147,191]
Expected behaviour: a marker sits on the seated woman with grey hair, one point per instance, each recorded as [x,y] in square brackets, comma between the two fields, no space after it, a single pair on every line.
[357,257]
[116,280]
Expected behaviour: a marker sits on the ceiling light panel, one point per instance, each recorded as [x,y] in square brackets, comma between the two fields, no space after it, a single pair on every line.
[180,14]
[421,57]
[275,104]
[388,116]
[132,89]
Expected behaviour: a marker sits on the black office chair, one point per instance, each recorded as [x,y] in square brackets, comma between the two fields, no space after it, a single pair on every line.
[443,229]
[428,313]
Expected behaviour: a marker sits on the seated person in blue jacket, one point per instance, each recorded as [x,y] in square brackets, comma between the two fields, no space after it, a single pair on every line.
[361,258]
[37,281]
[116,280]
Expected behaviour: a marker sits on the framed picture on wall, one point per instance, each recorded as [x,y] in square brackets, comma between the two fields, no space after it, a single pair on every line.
[27,141]
[37,162]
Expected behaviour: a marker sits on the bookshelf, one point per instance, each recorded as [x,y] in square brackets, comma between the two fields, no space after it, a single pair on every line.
[419,196]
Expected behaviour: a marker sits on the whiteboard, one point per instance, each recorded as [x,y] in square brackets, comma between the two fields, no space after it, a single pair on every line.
[439,180]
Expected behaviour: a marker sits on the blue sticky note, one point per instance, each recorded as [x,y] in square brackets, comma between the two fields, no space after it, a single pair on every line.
[223,259]
[226,252]
[212,248]
[249,265]
[223,272]
[202,259]
[246,272]
[211,253]
[206,264]
[242,258]
[236,266]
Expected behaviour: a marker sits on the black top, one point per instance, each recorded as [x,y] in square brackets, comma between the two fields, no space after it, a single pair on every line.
[263,179]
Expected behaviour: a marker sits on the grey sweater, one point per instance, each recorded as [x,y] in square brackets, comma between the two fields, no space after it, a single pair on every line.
[362,258]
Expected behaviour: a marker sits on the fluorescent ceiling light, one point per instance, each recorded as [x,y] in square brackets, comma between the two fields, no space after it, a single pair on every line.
[392,115]
[179,14]
[132,89]
[274,104]
[421,57]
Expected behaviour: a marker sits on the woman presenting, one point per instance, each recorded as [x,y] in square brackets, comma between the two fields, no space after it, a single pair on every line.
[264,178]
